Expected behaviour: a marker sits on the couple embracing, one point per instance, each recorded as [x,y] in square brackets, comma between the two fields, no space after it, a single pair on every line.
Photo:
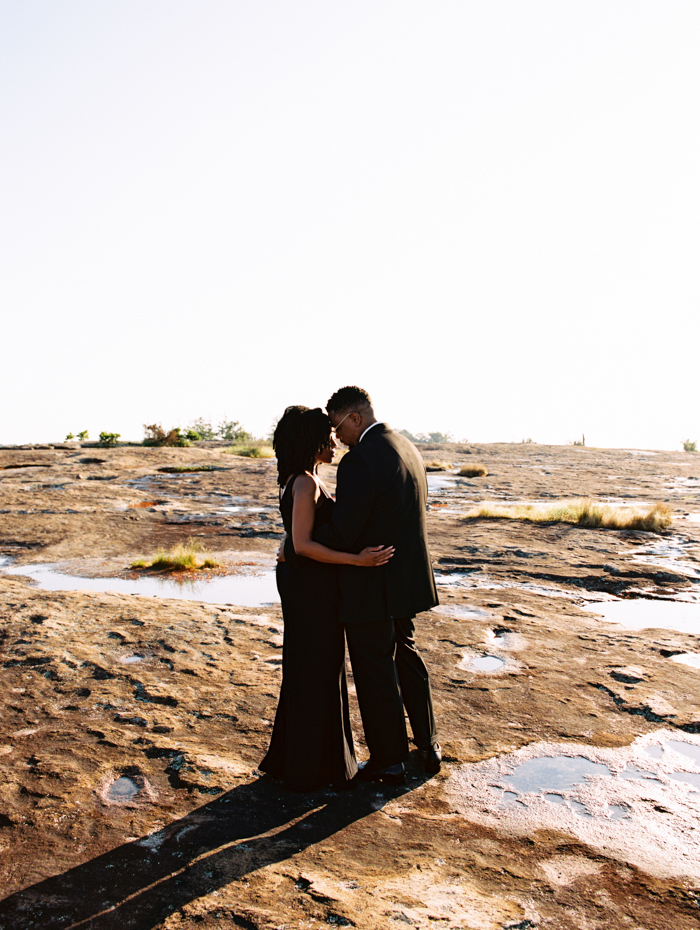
[357,568]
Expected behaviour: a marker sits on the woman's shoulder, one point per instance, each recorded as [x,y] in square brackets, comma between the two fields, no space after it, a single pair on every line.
[303,481]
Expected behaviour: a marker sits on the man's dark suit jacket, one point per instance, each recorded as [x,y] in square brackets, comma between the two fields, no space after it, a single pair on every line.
[381,499]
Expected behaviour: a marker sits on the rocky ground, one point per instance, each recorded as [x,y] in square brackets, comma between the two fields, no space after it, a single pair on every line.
[133,724]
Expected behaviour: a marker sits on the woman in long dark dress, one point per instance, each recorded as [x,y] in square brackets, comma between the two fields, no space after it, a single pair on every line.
[311,744]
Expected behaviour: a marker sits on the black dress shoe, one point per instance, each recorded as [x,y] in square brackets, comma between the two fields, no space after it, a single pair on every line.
[432,758]
[391,775]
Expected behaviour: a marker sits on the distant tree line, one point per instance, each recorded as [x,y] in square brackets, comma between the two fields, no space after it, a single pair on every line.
[427,437]
[199,429]
[228,431]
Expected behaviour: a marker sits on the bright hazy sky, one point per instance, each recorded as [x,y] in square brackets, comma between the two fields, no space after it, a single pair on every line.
[486,212]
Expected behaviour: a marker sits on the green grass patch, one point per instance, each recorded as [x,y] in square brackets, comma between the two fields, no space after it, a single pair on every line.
[585,513]
[473,471]
[179,469]
[184,557]
[252,450]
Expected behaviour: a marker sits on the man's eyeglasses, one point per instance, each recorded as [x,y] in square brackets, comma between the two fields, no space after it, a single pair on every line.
[337,426]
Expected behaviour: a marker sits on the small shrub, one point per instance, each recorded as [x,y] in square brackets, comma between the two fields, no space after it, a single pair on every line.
[109,439]
[473,471]
[257,449]
[193,436]
[435,466]
[232,431]
[156,436]
[689,445]
[586,513]
[69,437]
[175,438]
[184,557]
[83,435]
[203,427]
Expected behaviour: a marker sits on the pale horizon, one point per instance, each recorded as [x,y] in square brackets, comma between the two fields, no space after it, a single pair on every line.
[418,435]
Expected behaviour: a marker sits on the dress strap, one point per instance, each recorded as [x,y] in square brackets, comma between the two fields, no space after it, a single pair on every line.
[290,483]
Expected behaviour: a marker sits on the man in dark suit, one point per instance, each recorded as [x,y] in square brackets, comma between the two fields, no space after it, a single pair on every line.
[381,498]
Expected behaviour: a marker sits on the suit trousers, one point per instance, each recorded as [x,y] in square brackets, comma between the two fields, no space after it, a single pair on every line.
[389,675]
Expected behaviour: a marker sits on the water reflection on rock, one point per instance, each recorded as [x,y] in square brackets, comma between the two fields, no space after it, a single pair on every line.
[691,659]
[121,790]
[639,803]
[252,589]
[643,613]
[485,663]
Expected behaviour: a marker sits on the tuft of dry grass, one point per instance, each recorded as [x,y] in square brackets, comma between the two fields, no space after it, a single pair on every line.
[585,513]
[473,471]
[184,557]
[252,450]
[435,466]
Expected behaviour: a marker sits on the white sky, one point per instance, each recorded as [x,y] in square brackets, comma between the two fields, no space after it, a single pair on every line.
[486,212]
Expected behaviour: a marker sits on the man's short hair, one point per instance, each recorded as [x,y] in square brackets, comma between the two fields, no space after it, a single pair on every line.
[349,398]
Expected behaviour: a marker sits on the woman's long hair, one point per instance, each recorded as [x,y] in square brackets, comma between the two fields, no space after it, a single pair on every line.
[299,436]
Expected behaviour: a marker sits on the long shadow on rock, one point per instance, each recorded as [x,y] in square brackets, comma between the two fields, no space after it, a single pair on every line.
[136,886]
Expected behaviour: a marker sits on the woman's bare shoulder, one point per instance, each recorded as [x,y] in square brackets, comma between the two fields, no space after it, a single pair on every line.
[304,483]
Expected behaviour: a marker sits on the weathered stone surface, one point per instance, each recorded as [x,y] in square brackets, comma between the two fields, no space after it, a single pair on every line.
[132,725]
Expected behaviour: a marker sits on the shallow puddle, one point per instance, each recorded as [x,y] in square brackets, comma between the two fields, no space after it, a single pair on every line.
[450,505]
[633,771]
[552,773]
[454,579]
[244,590]
[476,580]
[640,804]
[688,658]
[462,613]
[145,481]
[245,508]
[679,484]
[641,614]
[244,505]
[689,750]
[121,790]
[670,553]
[504,638]
[439,481]
[482,663]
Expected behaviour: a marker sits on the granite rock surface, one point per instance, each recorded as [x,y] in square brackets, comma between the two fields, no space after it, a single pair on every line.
[132,724]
